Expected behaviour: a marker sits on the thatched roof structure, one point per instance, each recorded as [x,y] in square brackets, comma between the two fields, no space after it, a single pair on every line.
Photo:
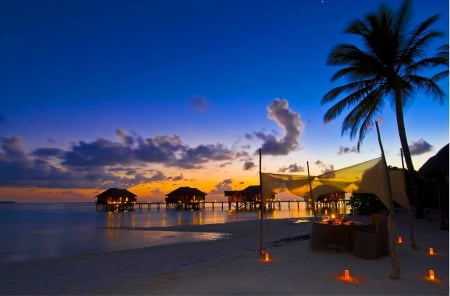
[250,193]
[185,194]
[116,193]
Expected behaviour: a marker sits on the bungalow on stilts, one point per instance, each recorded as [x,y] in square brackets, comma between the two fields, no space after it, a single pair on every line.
[186,198]
[115,200]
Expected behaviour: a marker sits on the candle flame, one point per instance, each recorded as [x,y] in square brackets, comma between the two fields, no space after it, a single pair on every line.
[431,274]
[267,257]
[347,274]
[431,251]
[400,240]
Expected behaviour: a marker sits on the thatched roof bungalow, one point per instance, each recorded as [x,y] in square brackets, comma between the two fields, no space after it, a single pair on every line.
[115,199]
[249,194]
[185,197]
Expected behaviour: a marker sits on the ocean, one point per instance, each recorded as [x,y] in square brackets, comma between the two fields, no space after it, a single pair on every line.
[34,231]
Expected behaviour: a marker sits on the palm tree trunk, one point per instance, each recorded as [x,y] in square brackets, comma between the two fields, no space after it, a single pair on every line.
[412,184]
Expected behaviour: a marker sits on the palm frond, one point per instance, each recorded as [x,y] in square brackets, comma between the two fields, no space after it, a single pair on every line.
[429,86]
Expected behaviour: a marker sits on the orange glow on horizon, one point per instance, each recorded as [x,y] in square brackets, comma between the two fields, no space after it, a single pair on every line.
[148,192]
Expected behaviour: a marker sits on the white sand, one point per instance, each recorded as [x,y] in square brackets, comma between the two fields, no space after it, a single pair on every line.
[233,266]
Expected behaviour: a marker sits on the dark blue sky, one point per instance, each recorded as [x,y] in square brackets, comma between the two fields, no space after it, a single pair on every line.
[80,75]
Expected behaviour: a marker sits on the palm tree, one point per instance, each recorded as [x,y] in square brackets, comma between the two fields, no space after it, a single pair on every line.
[386,69]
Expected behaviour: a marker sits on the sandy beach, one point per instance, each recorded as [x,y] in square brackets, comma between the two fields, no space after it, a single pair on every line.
[233,266]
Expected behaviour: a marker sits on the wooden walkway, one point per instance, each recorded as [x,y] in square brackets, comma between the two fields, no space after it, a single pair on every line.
[225,205]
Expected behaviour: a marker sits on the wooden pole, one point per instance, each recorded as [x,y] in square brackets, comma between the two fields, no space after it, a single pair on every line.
[403,161]
[261,209]
[313,204]
[390,220]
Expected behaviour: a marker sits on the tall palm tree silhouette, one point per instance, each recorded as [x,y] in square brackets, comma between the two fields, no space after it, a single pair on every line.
[387,68]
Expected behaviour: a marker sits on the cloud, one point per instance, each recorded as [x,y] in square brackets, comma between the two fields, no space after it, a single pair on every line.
[12,149]
[169,151]
[324,168]
[289,121]
[127,139]
[220,187]
[420,147]
[19,169]
[292,168]
[158,176]
[345,150]
[222,165]
[101,152]
[102,162]
[48,152]
[198,103]
[248,165]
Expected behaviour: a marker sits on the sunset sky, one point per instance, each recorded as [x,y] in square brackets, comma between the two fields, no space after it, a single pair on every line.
[153,95]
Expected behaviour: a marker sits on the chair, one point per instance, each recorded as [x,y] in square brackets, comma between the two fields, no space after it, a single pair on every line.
[319,238]
[372,244]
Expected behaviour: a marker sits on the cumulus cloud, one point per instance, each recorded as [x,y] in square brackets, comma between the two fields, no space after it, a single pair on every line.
[419,147]
[289,121]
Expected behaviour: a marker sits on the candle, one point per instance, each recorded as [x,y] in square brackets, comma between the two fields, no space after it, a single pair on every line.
[431,274]
[431,251]
[346,274]
[267,257]
[400,240]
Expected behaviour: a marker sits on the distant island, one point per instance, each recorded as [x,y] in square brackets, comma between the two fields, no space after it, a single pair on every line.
[7,202]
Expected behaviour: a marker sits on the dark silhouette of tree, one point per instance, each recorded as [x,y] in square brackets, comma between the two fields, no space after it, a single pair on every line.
[387,68]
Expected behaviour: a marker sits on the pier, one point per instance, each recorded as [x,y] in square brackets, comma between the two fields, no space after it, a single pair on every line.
[226,205]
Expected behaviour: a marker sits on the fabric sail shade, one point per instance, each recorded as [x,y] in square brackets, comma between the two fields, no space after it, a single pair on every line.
[365,177]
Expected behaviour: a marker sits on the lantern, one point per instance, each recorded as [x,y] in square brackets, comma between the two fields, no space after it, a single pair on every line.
[346,274]
[431,274]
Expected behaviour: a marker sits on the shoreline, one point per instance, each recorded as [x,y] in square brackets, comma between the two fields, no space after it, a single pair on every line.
[233,266]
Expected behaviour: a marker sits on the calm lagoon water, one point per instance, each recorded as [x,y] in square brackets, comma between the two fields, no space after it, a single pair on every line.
[32,231]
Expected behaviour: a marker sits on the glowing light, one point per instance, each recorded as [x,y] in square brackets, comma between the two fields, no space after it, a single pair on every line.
[346,274]
[400,240]
[431,274]
[267,257]
[431,251]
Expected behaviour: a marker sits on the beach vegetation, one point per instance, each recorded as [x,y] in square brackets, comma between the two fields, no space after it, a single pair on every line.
[365,204]
[390,66]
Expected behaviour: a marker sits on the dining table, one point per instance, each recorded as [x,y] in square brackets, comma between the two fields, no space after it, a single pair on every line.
[331,235]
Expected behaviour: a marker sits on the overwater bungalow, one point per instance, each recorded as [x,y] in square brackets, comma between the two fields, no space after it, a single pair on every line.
[185,198]
[115,199]
[248,198]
